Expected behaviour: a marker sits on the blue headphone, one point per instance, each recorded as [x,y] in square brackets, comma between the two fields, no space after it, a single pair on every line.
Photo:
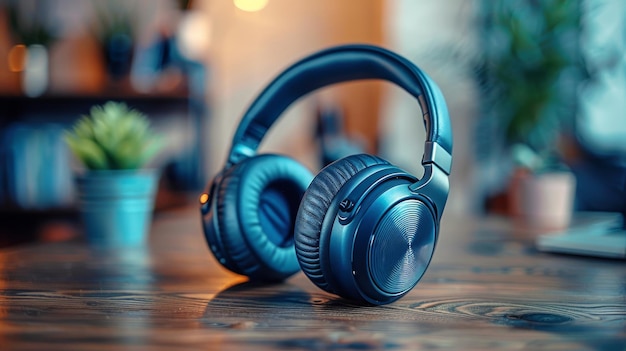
[361,228]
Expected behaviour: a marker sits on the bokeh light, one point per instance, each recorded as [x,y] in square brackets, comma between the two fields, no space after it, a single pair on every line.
[251,5]
[17,58]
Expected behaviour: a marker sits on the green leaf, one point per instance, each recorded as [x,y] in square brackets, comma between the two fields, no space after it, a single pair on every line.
[88,152]
[113,136]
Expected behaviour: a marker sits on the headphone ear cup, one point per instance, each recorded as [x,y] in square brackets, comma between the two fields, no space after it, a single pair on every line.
[256,207]
[315,205]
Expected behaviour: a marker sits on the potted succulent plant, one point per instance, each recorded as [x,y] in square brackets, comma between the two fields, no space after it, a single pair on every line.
[116,196]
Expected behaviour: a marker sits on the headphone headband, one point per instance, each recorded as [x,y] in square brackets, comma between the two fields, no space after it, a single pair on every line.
[342,64]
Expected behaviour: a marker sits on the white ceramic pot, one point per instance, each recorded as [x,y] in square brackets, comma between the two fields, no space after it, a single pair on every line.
[546,201]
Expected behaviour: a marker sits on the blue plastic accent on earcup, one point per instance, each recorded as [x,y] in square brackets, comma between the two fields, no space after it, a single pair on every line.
[257,202]
[401,247]
[315,205]
[335,65]
[389,245]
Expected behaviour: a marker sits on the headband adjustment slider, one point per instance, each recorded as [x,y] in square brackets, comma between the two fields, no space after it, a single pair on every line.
[434,153]
[240,152]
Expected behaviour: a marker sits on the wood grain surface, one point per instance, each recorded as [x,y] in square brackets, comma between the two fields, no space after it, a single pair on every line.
[486,289]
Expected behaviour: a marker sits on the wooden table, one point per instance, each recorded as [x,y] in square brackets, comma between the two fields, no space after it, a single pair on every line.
[487,288]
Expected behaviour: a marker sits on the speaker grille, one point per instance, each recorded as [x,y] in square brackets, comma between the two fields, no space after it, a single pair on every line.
[402,246]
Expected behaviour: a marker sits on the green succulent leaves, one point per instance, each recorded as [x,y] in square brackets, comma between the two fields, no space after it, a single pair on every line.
[113,136]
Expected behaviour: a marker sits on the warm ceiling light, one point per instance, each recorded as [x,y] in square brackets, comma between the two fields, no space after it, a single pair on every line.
[251,5]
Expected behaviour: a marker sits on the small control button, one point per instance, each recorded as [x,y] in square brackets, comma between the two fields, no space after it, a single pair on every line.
[346,205]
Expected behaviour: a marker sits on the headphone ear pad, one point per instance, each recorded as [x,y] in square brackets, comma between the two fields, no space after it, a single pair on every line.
[257,202]
[315,205]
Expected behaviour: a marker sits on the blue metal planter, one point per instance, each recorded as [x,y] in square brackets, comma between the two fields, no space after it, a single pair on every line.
[116,206]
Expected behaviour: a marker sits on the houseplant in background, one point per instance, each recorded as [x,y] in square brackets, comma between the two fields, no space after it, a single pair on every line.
[28,24]
[116,196]
[530,72]
[114,26]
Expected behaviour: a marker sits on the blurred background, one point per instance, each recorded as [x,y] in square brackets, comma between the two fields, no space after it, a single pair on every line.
[533,87]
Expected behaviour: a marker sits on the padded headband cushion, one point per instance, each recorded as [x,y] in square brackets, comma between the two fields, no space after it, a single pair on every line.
[256,205]
[335,65]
